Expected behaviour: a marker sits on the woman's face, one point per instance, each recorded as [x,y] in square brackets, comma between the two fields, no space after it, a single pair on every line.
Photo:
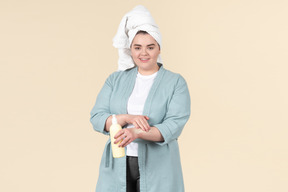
[145,51]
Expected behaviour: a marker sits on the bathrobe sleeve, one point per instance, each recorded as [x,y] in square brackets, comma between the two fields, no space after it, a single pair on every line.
[178,113]
[101,110]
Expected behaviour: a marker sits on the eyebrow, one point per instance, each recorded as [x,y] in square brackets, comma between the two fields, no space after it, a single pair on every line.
[147,45]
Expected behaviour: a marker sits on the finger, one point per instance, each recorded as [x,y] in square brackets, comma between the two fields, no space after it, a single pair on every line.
[124,142]
[147,126]
[136,125]
[144,125]
[127,143]
[120,138]
[140,125]
[121,132]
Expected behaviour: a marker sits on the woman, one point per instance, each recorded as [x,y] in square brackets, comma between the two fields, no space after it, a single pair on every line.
[152,105]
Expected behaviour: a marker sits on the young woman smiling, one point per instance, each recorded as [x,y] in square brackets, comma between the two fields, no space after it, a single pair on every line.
[152,105]
[145,51]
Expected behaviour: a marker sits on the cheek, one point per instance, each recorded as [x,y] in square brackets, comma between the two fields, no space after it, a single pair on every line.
[134,53]
[155,55]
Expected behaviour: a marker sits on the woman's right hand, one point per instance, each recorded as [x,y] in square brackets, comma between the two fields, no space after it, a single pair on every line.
[139,121]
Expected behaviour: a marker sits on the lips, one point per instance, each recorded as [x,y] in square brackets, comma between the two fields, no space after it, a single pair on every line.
[144,60]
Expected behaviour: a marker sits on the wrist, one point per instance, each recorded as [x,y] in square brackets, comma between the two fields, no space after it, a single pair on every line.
[127,118]
[137,132]
[121,119]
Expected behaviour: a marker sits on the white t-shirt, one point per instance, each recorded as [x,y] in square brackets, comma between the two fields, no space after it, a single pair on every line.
[136,103]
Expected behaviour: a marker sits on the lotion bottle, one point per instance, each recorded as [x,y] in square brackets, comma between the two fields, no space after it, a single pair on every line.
[114,128]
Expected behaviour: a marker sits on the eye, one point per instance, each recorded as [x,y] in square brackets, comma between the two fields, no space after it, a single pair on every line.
[137,48]
[150,48]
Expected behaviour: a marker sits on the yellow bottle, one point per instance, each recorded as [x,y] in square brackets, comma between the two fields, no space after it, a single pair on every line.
[114,128]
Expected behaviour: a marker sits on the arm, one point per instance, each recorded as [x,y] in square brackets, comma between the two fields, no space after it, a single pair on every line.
[101,116]
[177,114]
[121,120]
[153,135]
[101,110]
[139,121]
[170,128]
[130,134]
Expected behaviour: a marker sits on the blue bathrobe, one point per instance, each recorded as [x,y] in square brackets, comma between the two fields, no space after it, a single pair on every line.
[168,109]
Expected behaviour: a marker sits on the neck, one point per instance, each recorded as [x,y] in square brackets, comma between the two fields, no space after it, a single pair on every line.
[150,71]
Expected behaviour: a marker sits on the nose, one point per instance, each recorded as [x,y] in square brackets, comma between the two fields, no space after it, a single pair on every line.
[144,52]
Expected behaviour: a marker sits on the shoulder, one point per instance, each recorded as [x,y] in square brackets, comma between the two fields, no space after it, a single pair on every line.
[120,77]
[120,74]
[172,77]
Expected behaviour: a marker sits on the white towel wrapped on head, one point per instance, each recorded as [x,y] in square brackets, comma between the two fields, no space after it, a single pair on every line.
[138,19]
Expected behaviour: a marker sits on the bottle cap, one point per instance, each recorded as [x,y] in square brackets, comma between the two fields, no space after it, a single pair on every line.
[114,120]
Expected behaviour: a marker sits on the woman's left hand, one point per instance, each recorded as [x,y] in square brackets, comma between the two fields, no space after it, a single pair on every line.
[126,136]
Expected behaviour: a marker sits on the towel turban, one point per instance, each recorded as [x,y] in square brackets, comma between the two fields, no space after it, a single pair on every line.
[138,19]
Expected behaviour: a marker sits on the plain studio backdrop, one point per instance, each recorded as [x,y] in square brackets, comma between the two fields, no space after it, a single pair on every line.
[56,54]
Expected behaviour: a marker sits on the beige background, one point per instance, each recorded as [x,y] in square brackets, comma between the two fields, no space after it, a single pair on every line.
[56,54]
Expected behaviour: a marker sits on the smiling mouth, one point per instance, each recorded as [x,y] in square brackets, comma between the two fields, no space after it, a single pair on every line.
[144,60]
